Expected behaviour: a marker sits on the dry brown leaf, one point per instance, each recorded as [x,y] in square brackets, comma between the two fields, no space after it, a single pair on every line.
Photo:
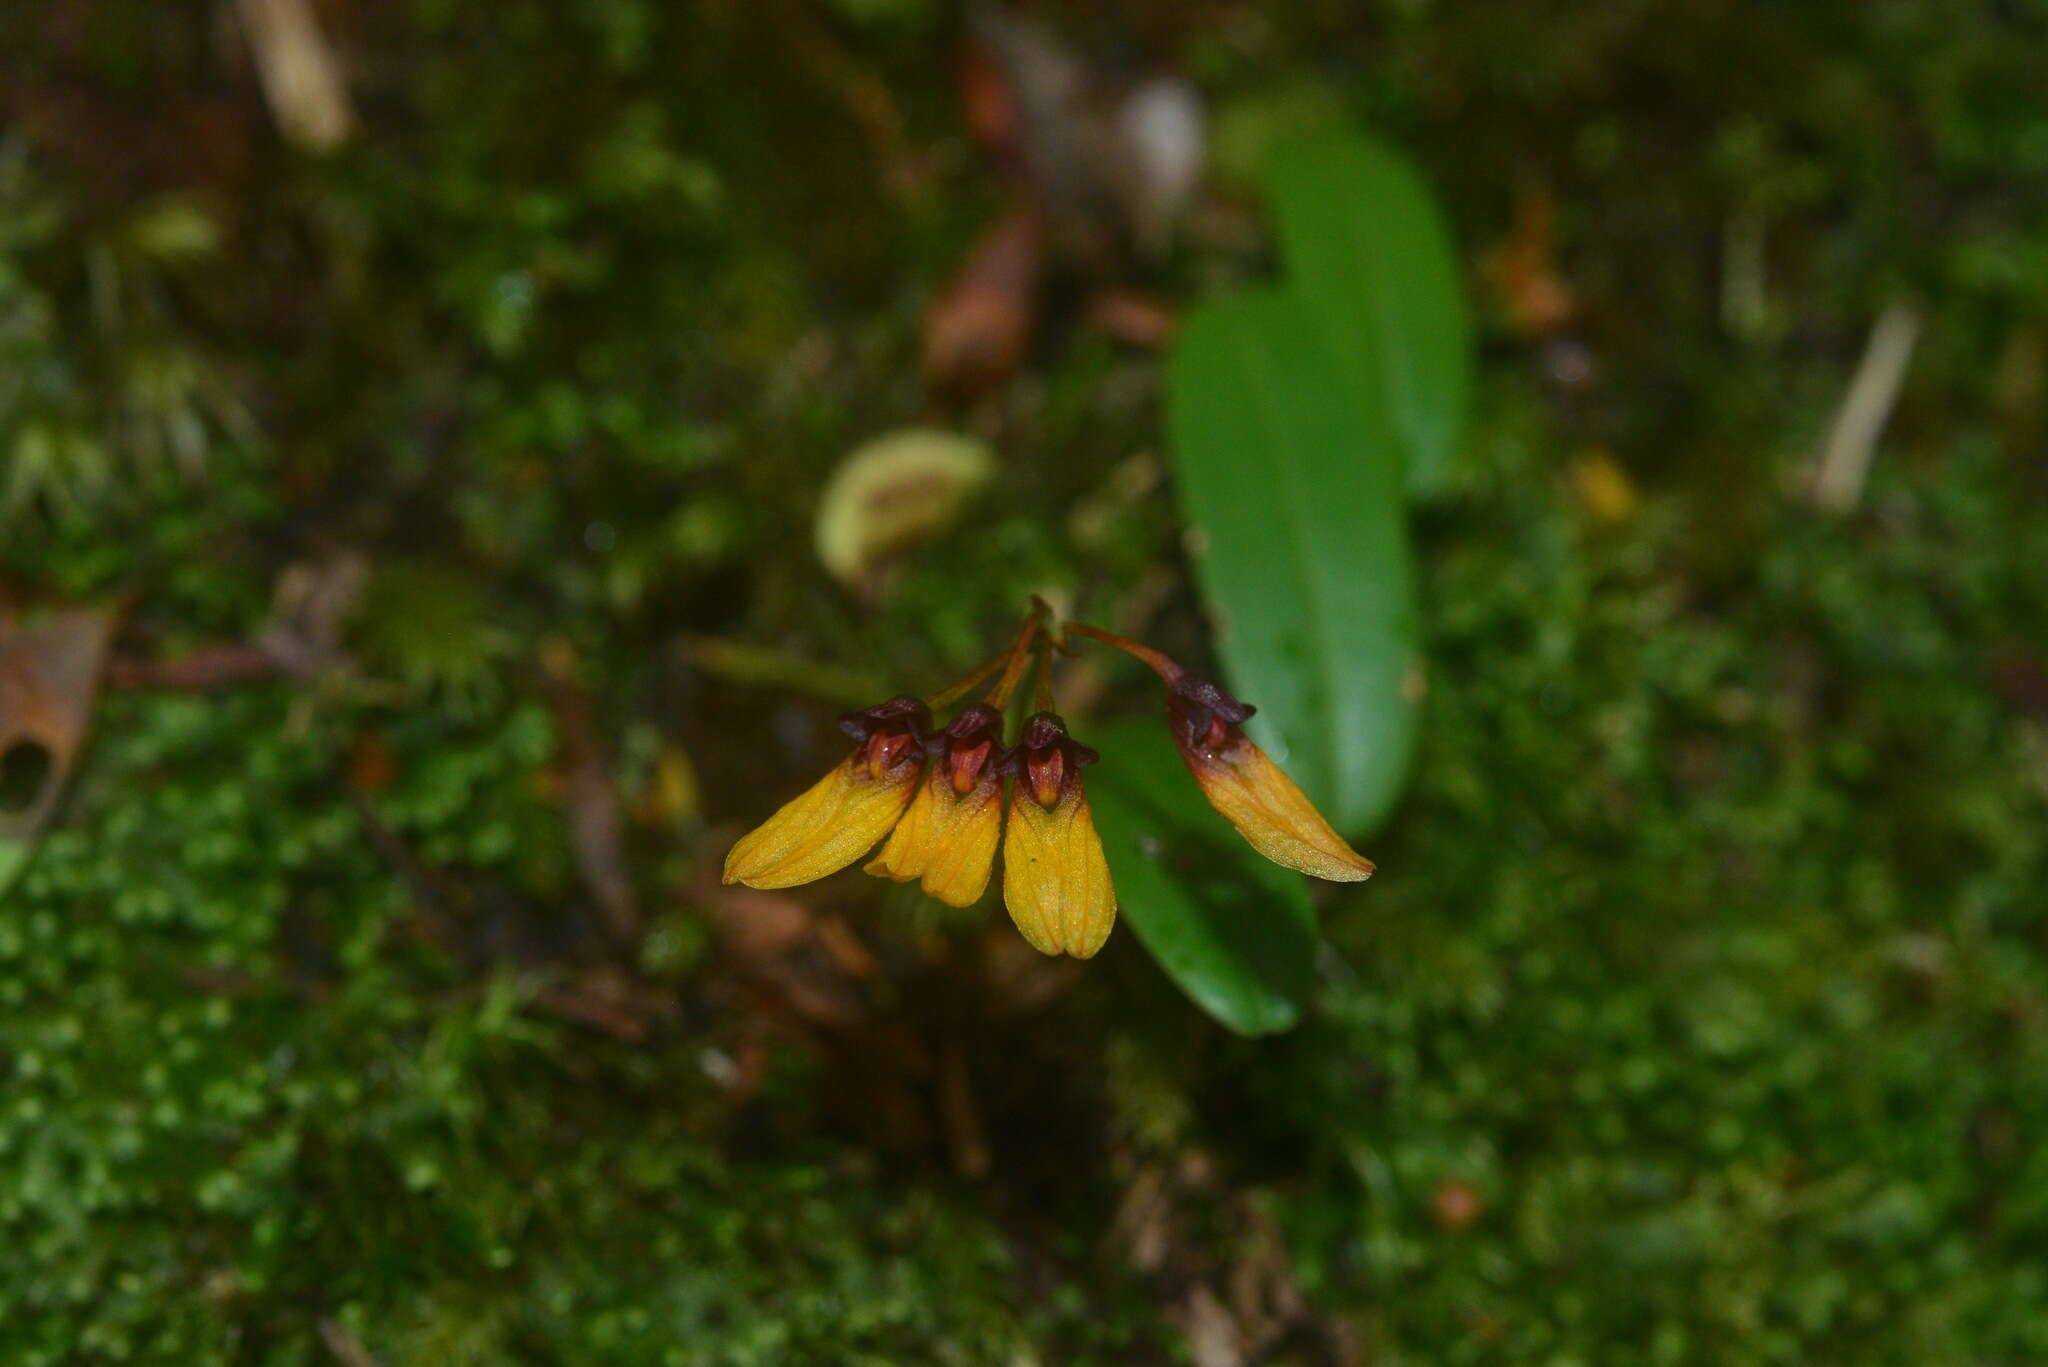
[1456,1204]
[49,679]
[976,333]
[1537,298]
[1132,318]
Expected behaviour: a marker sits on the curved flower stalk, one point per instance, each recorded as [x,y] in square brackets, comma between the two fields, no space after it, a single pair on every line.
[939,798]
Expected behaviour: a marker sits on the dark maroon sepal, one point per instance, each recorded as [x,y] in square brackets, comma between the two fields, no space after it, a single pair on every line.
[970,745]
[1045,731]
[1194,706]
[900,713]
[974,725]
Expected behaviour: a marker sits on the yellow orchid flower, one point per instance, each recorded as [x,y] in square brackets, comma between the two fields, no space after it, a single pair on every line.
[938,797]
[840,817]
[1240,780]
[1055,878]
[948,837]
[1252,792]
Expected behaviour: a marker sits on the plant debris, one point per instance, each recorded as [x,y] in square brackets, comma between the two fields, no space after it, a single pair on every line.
[49,678]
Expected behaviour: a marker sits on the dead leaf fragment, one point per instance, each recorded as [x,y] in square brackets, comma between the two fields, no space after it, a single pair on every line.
[977,331]
[1538,300]
[1605,491]
[1213,1336]
[49,678]
[891,493]
[1162,123]
[1113,163]
[1844,462]
[301,79]
[1456,1203]
[1132,318]
[347,1349]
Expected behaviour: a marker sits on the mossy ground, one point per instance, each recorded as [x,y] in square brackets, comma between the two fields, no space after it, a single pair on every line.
[1699,1012]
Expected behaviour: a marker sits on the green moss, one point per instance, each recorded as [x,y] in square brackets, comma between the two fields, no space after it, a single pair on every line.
[1707,949]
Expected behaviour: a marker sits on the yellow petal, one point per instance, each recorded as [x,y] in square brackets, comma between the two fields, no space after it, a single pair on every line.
[946,838]
[1055,880]
[1272,813]
[827,827]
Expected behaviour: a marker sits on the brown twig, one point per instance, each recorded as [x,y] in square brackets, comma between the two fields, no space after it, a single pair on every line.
[1852,438]
[302,81]
[348,1350]
[586,1008]
[961,1117]
[220,665]
[597,825]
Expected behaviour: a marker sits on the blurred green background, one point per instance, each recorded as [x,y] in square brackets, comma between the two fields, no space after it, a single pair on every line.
[487,362]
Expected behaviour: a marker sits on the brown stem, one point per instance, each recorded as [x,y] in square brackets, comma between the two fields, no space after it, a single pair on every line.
[1041,693]
[1020,655]
[208,667]
[1161,665]
[954,692]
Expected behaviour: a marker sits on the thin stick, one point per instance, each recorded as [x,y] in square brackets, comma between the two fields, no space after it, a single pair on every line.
[348,1350]
[301,79]
[1852,440]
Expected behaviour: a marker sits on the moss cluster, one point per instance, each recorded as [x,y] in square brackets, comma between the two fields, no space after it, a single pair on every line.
[1700,1008]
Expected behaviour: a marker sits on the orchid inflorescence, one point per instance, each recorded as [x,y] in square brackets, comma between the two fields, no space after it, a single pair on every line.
[938,794]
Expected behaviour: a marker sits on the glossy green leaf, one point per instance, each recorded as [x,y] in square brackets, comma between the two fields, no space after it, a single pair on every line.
[1290,487]
[1237,933]
[1365,248]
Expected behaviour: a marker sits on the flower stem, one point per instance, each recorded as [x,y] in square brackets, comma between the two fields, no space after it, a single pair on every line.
[955,692]
[1020,656]
[1041,692]
[1161,665]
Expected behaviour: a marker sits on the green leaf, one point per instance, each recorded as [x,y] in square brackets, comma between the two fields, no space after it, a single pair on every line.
[1236,933]
[1290,486]
[1366,250]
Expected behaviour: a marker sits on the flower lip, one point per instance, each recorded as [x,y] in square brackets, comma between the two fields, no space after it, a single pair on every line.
[1203,713]
[890,733]
[968,744]
[1046,759]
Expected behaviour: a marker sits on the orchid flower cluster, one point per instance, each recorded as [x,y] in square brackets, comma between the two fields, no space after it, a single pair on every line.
[938,794]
